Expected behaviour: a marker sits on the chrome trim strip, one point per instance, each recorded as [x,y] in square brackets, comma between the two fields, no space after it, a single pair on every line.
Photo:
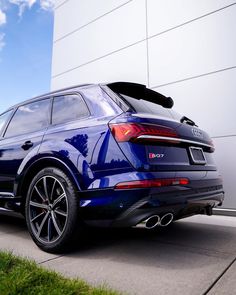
[6,195]
[174,139]
[4,209]
[225,209]
[225,212]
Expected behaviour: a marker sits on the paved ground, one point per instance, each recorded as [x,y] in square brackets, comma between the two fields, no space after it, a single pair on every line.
[193,256]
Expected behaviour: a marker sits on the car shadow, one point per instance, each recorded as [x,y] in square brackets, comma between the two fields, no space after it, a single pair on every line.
[11,222]
[170,247]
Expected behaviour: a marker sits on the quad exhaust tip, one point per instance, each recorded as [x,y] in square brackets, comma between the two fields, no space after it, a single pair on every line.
[152,221]
[166,219]
[156,220]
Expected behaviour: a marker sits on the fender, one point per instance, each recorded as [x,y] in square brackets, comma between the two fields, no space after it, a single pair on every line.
[44,161]
[51,153]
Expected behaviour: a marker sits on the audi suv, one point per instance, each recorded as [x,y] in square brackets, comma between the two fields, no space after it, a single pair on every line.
[105,155]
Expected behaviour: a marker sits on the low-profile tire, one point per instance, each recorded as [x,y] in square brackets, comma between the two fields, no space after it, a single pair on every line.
[51,210]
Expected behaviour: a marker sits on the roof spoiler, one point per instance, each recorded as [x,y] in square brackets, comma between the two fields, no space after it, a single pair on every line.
[140,91]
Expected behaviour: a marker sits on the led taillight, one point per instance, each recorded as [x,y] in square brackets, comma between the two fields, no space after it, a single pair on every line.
[137,132]
[149,183]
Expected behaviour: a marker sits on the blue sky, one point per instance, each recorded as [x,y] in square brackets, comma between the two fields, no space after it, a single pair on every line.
[26,33]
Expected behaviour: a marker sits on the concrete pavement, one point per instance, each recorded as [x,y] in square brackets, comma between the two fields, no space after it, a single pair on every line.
[192,256]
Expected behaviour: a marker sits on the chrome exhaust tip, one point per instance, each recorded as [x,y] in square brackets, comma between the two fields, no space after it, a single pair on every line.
[166,219]
[150,222]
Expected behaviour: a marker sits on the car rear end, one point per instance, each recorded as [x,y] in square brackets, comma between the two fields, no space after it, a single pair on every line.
[176,172]
[173,172]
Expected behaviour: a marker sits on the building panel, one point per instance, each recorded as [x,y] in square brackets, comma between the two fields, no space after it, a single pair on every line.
[208,100]
[76,14]
[202,46]
[108,34]
[167,14]
[126,65]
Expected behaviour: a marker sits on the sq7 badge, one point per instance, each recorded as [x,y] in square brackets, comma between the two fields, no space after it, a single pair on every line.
[155,156]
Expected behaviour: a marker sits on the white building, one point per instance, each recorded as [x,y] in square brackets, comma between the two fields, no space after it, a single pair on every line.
[185,49]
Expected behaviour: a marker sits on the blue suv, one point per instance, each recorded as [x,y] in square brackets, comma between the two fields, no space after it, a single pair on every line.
[107,155]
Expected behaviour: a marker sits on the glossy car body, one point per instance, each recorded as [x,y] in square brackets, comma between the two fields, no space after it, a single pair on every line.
[109,172]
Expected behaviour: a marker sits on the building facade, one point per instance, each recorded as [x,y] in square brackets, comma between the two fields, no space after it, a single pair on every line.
[185,49]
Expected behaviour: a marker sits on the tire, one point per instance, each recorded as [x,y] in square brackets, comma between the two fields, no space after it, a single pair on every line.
[51,210]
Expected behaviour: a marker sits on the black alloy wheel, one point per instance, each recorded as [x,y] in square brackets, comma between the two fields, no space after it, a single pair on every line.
[52,210]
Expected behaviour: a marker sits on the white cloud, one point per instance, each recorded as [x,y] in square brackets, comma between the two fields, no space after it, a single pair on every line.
[23,4]
[28,3]
[47,4]
[3,18]
[2,43]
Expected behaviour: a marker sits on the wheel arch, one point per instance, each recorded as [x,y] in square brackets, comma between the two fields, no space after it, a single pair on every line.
[26,177]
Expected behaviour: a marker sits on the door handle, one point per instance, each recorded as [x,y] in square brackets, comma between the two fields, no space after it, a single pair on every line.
[27,145]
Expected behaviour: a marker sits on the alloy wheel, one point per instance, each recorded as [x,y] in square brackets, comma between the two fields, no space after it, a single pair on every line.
[48,209]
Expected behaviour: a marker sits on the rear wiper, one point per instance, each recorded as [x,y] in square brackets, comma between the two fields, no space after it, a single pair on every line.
[187,121]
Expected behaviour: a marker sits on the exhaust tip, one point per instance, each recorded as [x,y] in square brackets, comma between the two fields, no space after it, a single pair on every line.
[166,219]
[152,221]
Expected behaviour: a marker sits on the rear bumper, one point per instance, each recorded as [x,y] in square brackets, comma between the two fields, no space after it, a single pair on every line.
[124,208]
[180,209]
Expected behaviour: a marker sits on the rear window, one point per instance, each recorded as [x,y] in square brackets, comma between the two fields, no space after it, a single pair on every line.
[68,108]
[143,106]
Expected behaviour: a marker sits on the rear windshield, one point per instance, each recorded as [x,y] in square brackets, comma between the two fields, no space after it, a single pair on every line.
[143,106]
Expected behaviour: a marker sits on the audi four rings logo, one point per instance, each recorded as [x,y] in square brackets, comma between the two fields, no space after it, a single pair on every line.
[197,133]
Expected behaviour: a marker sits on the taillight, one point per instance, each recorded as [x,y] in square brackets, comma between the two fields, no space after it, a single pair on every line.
[148,183]
[137,132]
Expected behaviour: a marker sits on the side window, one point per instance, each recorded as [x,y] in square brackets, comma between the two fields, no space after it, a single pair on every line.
[68,108]
[3,120]
[29,118]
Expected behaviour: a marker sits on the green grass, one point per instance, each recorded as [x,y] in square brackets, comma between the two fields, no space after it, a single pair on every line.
[20,276]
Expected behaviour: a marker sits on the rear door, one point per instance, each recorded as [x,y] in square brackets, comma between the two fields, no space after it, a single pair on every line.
[21,138]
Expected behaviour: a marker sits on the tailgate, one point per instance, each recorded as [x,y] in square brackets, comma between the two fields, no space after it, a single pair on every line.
[162,144]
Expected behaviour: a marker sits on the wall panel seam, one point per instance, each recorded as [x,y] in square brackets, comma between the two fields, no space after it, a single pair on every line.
[59,5]
[194,77]
[192,20]
[223,136]
[92,21]
[152,36]
[146,39]
[98,58]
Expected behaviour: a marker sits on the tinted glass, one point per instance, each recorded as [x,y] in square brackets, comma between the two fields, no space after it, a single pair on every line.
[28,118]
[3,120]
[143,106]
[68,108]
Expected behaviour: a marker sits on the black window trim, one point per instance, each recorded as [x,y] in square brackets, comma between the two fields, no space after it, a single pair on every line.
[65,94]
[116,97]
[21,105]
[5,126]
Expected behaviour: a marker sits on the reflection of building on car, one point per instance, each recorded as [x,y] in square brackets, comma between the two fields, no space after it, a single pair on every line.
[103,155]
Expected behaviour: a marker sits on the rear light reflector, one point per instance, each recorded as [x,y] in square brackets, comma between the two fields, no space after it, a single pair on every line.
[132,131]
[148,183]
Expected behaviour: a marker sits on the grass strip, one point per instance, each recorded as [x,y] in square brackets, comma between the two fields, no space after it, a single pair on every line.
[20,277]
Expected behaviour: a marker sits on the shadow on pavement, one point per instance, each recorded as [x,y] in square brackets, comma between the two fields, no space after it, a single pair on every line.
[168,246]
